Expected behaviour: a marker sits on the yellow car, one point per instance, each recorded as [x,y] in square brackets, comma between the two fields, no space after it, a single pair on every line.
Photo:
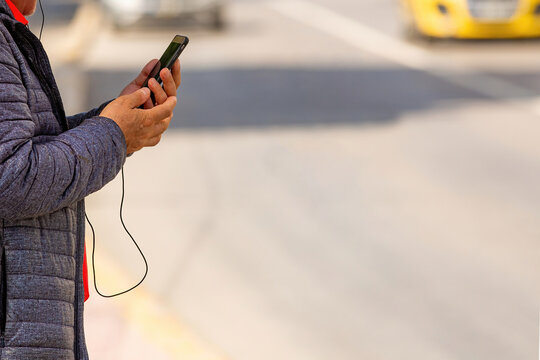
[473,19]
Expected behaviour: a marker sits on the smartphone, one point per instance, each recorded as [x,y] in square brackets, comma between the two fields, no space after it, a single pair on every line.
[167,60]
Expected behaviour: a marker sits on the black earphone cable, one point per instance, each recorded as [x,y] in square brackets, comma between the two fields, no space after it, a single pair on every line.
[121,216]
[127,231]
[42,19]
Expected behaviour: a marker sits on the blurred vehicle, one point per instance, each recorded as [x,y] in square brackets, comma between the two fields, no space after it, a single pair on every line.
[473,19]
[127,12]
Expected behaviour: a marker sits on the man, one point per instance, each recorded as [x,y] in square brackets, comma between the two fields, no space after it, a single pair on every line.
[48,164]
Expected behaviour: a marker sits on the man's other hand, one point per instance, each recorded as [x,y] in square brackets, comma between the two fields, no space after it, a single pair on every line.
[171,83]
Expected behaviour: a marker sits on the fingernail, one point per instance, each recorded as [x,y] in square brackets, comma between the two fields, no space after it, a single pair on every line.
[145,90]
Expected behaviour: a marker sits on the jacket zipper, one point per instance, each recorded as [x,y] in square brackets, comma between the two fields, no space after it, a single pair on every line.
[77,351]
[3,296]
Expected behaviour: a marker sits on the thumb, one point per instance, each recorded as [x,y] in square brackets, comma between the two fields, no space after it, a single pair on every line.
[137,98]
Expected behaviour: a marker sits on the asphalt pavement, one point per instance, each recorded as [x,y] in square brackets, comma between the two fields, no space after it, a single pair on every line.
[326,193]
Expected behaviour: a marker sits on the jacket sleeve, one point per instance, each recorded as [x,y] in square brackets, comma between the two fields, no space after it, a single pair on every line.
[39,175]
[76,120]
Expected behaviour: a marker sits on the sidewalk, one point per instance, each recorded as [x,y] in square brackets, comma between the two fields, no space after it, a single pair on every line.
[135,325]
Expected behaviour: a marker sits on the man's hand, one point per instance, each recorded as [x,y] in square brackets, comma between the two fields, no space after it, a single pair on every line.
[141,128]
[171,82]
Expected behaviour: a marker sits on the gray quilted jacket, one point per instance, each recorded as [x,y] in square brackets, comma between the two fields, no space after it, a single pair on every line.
[48,164]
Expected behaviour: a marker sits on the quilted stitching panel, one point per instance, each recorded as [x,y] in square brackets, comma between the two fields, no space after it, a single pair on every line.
[39,263]
[39,335]
[46,123]
[40,287]
[37,101]
[44,240]
[63,220]
[52,234]
[41,311]
[25,353]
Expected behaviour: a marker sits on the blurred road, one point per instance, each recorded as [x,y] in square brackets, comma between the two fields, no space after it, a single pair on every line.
[328,191]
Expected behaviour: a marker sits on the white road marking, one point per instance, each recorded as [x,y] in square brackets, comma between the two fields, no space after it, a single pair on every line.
[368,39]
[353,32]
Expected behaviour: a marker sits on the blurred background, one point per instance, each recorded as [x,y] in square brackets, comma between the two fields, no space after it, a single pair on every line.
[342,179]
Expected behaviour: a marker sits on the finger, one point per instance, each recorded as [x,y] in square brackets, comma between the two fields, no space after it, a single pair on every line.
[159,128]
[177,73]
[145,72]
[137,98]
[148,104]
[168,82]
[162,111]
[153,141]
[165,124]
[159,93]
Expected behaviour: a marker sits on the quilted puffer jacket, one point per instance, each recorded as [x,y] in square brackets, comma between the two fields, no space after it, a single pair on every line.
[48,164]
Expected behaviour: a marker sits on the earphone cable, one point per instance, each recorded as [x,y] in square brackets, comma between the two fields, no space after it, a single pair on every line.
[42,19]
[127,231]
[121,213]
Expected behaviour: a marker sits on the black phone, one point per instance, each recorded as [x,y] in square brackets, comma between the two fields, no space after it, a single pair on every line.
[177,45]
